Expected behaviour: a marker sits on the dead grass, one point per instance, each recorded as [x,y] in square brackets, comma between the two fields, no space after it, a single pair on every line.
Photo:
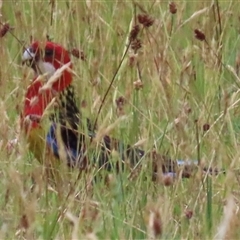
[179,95]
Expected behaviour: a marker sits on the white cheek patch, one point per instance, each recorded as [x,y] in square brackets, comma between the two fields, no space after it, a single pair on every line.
[28,55]
[46,68]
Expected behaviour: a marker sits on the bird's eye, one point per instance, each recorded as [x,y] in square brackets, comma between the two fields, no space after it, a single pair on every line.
[48,52]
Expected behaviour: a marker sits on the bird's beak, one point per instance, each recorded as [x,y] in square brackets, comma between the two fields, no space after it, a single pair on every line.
[28,55]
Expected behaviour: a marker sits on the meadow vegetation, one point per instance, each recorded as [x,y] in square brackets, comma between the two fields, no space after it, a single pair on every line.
[176,91]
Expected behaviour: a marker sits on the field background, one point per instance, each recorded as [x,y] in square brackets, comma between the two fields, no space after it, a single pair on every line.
[187,108]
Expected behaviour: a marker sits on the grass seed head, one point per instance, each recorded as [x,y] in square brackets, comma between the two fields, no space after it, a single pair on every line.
[167,180]
[188,213]
[154,223]
[206,127]
[172,8]
[136,44]
[134,32]
[132,60]
[120,102]
[78,54]
[145,20]
[24,222]
[4,29]
[199,35]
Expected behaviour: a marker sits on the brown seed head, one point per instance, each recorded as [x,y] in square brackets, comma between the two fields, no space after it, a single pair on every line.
[4,29]
[136,44]
[134,32]
[24,223]
[120,102]
[155,223]
[132,60]
[167,181]
[206,127]
[145,20]
[78,54]
[188,213]
[172,8]
[199,35]
[84,104]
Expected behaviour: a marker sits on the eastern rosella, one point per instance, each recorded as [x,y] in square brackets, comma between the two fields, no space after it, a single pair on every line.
[51,97]
[46,60]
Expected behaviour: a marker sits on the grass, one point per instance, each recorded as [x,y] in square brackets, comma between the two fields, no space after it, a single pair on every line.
[186,84]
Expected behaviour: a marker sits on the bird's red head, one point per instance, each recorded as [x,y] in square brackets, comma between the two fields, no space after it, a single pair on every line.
[49,52]
[45,59]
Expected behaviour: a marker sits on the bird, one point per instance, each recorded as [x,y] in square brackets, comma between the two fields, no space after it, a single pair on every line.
[53,125]
[44,62]
[46,59]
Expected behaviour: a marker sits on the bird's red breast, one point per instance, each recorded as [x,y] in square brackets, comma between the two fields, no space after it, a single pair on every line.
[36,100]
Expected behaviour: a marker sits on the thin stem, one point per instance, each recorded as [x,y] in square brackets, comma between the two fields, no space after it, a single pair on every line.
[110,85]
